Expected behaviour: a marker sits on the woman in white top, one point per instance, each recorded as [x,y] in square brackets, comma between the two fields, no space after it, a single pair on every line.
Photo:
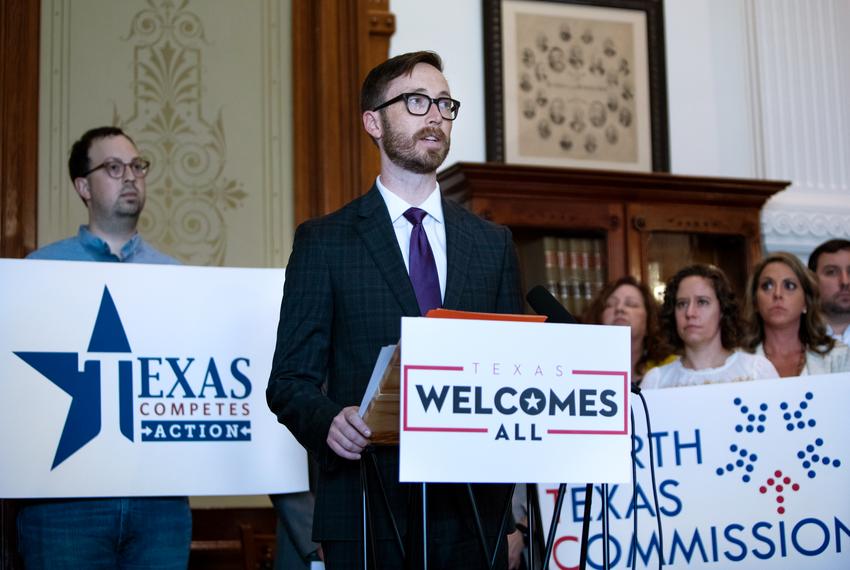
[700,318]
[785,322]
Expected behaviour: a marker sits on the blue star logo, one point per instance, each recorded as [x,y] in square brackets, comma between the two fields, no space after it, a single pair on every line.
[83,422]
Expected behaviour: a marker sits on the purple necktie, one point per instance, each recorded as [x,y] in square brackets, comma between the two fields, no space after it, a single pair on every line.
[423,268]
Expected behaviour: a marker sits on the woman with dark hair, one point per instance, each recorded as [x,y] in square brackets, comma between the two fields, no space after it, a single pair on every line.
[785,322]
[700,319]
[628,302]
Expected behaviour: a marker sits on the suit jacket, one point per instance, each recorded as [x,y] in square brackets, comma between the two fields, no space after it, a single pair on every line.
[345,293]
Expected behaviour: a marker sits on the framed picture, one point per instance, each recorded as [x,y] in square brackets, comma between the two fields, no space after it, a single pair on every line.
[576,83]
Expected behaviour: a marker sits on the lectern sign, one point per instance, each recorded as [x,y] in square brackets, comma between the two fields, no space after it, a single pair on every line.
[485,401]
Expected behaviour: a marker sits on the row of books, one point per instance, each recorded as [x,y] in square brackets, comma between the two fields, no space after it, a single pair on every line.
[572,269]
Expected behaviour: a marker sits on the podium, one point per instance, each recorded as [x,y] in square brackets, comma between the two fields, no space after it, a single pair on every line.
[494,401]
[381,411]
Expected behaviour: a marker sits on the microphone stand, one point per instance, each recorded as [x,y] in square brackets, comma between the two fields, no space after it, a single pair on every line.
[606,539]
[544,303]
[553,526]
[585,527]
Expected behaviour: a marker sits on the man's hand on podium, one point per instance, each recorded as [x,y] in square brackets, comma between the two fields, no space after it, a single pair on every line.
[349,434]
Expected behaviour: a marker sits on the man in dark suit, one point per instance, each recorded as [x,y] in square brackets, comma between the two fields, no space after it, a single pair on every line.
[347,287]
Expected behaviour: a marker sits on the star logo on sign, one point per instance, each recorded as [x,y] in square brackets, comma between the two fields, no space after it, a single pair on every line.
[83,422]
[533,401]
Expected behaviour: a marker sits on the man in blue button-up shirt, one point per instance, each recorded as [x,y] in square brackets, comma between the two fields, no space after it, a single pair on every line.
[138,532]
[109,176]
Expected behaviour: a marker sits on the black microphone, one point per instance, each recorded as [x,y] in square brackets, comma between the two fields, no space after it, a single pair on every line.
[544,303]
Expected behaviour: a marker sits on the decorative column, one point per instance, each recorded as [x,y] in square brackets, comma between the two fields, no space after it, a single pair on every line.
[801,85]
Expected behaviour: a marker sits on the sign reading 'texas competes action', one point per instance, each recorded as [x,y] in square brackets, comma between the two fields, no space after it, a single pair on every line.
[124,380]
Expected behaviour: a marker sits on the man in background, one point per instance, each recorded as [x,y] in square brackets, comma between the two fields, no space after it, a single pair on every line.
[295,549]
[139,532]
[830,261]
[398,250]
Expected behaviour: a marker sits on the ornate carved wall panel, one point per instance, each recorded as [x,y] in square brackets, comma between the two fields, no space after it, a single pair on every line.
[802,83]
[203,88]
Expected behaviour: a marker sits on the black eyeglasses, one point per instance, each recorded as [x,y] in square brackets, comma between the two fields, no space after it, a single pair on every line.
[116,168]
[419,104]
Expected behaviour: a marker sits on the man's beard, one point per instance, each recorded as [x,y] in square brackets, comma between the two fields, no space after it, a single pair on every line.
[125,210]
[835,308]
[401,150]
[130,208]
[121,215]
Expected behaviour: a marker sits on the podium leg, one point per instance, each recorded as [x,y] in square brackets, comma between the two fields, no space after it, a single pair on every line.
[476,516]
[386,501]
[585,526]
[606,542]
[532,523]
[425,525]
[368,544]
[502,527]
[553,527]
[364,505]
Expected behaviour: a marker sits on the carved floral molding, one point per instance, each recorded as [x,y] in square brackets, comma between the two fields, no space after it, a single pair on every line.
[188,189]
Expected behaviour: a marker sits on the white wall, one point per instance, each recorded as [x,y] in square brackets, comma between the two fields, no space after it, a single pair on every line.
[711,131]
[804,87]
[453,29]
[707,78]
[756,89]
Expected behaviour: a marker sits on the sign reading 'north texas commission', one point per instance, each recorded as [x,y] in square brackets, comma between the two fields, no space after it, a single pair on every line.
[749,475]
[490,401]
[139,380]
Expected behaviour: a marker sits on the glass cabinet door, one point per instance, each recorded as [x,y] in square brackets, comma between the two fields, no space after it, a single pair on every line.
[664,239]
[668,252]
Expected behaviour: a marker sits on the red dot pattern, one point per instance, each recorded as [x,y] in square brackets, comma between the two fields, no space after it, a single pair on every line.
[779,484]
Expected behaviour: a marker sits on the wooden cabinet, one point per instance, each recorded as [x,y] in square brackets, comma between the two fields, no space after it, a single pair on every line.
[651,224]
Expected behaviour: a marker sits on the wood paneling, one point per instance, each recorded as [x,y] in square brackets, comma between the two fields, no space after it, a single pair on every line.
[19,43]
[628,208]
[218,537]
[335,44]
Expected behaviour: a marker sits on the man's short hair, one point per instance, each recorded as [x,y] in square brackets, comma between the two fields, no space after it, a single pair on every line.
[78,161]
[375,85]
[831,246]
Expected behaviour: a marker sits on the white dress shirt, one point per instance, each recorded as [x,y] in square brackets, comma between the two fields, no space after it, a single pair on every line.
[739,367]
[845,337]
[836,360]
[434,224]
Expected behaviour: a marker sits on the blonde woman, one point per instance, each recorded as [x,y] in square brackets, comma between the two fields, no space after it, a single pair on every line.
[785,322]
